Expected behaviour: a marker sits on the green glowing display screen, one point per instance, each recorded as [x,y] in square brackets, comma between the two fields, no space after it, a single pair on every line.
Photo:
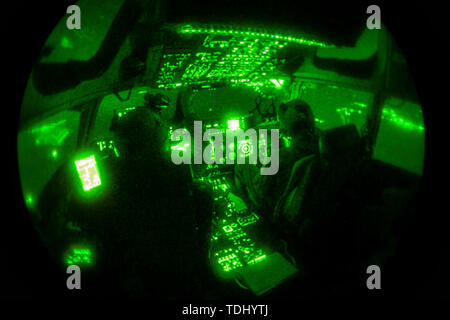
[88,172]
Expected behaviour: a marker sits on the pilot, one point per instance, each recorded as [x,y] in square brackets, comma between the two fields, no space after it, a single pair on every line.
[261,192]
[147,226]
[183,114]
[182,117]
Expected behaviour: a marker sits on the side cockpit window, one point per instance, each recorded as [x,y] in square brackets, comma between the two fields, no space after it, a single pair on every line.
[42,149]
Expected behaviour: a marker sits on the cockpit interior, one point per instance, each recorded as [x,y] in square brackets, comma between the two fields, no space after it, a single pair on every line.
[96,148]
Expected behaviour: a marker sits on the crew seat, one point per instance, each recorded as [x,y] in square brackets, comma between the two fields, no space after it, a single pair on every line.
[316,182]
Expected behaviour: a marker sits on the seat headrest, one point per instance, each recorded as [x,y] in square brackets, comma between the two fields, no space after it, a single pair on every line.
[339,141]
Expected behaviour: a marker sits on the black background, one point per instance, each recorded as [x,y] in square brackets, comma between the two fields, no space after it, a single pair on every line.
[420,31]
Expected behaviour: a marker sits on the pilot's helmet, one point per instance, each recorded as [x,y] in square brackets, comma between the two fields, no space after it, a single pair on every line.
[295,117]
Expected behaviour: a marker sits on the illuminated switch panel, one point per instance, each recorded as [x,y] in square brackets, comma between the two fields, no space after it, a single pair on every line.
[219,186]
[232,246]
[228,259]
[87,170]
[171,65]
[232,57]
[123,112]
[79,256]
[246,220]
[107,145]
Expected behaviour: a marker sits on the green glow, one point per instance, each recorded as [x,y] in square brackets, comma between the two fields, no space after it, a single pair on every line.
[241,58]
[213,150]
[246,147]
[29,200]
[125,111]
[65,43]
[228,228]
[188,29]
[47,127]
[317,120]
[360,104]
[229,261]
[102,145]
[54,154]
[231,220]
[287,141]
[277,82]
[346,112]
[52,134]
[257,259]
[79,256]
[245,221]
[232,228]
[390,115]
[233,124]
[178,148]
[87,170]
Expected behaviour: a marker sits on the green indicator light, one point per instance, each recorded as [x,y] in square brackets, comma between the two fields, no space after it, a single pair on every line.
[79,256]
[213,151]
[246,147]
[277,83]
[87,170]
[233,124]
[359,104]
[54,154]
[116,152]
[259,258]
[65,43]
[29,201]
[256,259]
[227,229]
